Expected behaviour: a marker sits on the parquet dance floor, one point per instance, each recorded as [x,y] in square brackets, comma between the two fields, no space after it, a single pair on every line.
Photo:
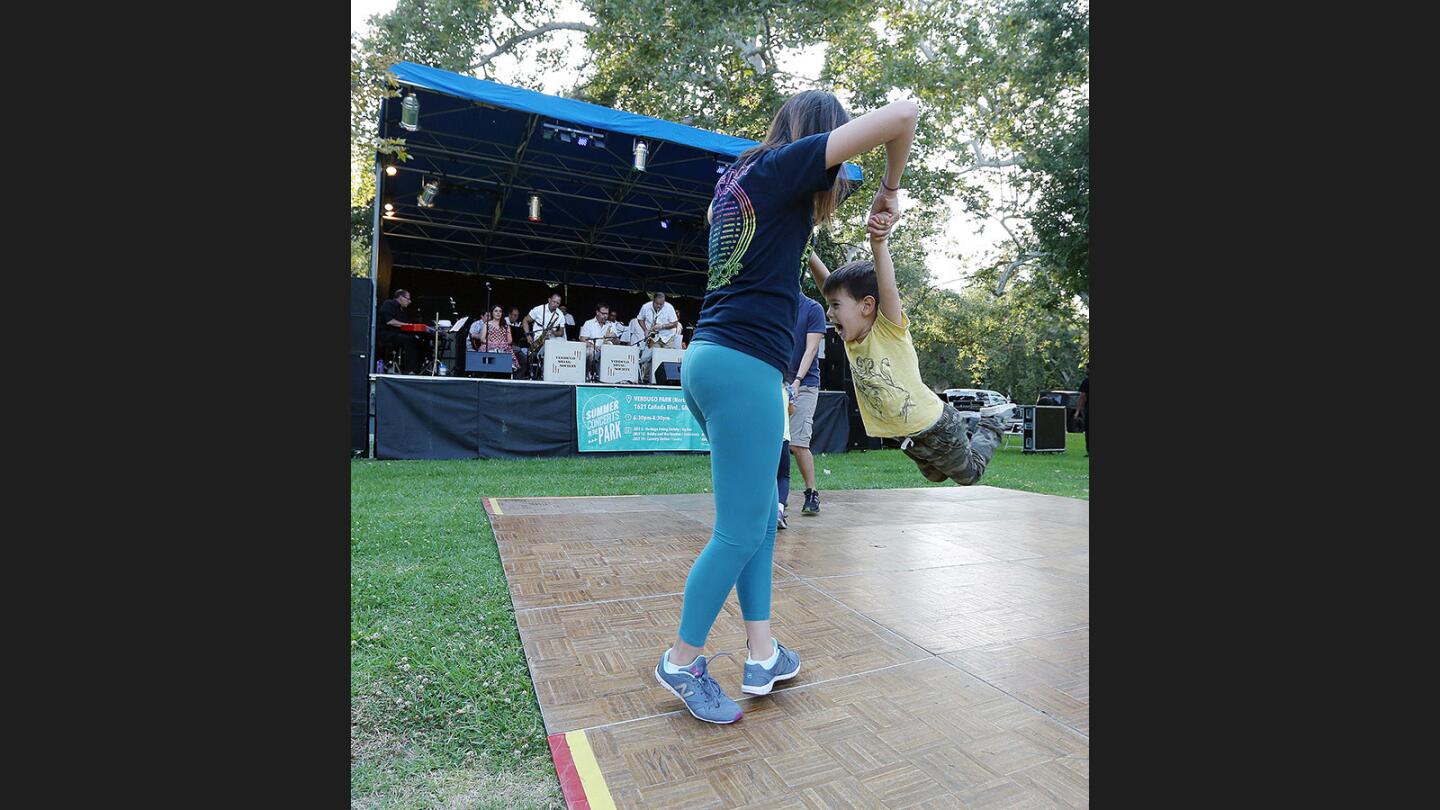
[943,635]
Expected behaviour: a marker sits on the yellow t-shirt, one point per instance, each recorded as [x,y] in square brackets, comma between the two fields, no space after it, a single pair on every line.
[893,399]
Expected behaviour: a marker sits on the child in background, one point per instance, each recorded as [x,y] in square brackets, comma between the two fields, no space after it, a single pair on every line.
[782,477]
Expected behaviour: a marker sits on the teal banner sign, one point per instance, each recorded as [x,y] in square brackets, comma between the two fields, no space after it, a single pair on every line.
[609,420]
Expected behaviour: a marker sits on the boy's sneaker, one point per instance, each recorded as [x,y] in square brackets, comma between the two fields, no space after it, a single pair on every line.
[780,522]
[759,680]
[998,411]
[702,695]
[812,503]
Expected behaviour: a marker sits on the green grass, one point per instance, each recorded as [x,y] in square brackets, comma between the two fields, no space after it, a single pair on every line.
[442,709]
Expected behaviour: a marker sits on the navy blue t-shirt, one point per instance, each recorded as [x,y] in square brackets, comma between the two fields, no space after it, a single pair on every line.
[761,218]
[811,319]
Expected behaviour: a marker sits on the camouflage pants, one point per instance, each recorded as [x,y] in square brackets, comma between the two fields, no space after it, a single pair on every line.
[952,449]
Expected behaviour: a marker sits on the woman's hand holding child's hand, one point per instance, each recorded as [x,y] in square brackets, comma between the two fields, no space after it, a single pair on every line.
[878,226]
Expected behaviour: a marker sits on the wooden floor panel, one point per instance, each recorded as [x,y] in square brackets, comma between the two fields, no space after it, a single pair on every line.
[943,633]
[592,663]
[546,573]
[959,607]
[885,739]
[1050,673]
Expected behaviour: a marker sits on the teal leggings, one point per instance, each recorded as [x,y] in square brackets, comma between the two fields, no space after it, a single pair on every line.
[735,399]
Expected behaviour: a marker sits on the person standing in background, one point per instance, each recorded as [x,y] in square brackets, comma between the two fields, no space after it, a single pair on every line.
[569,323]
[805,393]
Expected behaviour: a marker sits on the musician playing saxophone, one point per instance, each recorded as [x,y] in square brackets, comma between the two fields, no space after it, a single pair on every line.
[660,322]
[545,322]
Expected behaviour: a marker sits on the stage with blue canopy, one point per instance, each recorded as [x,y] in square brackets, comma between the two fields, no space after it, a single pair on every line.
[544,192]
[486,149]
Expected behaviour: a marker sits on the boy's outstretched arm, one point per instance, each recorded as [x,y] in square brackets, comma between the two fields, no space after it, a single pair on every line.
[818,271]
[885,279]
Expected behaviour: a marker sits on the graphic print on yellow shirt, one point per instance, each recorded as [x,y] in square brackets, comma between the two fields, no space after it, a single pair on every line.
[892,398]
[875,383]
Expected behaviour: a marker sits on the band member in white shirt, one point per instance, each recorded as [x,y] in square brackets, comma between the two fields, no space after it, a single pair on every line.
[634,335]
[596,332]
[661,323]
[546,319]
[569,323]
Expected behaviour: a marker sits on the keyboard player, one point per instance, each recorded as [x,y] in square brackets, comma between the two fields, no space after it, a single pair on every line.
[395,330]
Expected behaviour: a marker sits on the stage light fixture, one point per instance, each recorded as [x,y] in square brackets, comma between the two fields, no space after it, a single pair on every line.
[410,113]
[391,169]
[534,208]
[427,194]
[642,153]
[547,134]
[583,140]
[565,136]
[389,206]
[599,141]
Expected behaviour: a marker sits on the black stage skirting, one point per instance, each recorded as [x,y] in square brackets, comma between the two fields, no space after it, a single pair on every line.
[456,417]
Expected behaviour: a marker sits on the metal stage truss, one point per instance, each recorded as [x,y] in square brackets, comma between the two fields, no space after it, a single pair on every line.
[488,148]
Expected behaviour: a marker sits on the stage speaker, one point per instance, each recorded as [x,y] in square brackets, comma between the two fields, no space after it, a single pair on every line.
[1071,401]
[834,367]
[478,363]
[359,404]
[1043,428]
[362,362]
[455,351]
[362,304]
[359,334]
[667,374]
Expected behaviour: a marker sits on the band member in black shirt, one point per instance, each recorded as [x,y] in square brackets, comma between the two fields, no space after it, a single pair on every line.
[517,339]
[392,317]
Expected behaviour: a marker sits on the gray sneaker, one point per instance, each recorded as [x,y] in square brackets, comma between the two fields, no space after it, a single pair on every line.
[702,695]
[760,680]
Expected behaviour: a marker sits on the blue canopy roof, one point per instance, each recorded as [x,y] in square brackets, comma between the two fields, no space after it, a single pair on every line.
[577,112]
[488,148]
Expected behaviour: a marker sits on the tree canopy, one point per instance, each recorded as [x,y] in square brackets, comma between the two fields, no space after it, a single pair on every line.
[1003,134]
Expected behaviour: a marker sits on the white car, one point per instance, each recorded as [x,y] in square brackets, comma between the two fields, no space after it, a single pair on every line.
[973,399]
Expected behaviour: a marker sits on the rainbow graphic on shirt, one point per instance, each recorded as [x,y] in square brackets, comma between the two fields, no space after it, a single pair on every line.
[732,226]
